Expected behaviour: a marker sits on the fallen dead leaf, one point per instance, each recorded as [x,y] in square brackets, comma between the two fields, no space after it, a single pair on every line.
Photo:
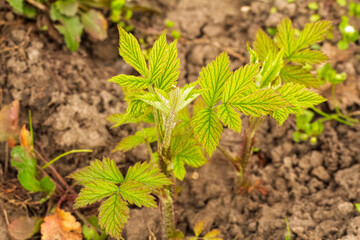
[24,227]
[9,117]
[61,226]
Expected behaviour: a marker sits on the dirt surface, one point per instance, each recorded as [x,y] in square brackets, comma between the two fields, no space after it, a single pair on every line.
[315,187]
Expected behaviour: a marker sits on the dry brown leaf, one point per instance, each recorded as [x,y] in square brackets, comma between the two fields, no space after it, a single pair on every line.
[9,117]
[61,226]
[24,227]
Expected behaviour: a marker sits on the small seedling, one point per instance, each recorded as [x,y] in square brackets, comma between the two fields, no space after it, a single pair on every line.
[268,85]
[288,235]
[72,17]
[198,229]
[349,33]
[174,33]
[306,128]
[354,9]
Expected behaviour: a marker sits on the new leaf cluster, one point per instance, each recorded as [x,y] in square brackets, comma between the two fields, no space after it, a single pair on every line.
[154,97]
[274,83]
[102,180]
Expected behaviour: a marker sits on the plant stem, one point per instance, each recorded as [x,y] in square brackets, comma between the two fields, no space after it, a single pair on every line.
[64,154]
[232,160]
[168,214]
[254,124]
[330,116]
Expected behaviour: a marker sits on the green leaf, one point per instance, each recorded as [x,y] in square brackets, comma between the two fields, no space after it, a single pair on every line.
[169,76]
[130,81]
[199,227]
[47,185]
[297,74]
[105,170]
[189,154]
[299,97]
[113,214]
[68,8]
[95,24]
[148,175]
[22,160]
[308,56]
[136,193]
[263,45]
[284,37]
[72,30]
[192,155]
[240,82]
[179,169]
[259,103]
[130,142]
[271,68]
[95,191]
[129,49]
[157,58]
[357,206]
[17,5]
[229,117]
[281,115]
[207,129]
[213,77]
[28,180]
[212,234]
[312,33]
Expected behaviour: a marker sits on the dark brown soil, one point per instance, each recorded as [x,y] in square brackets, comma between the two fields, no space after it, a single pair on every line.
[314,187]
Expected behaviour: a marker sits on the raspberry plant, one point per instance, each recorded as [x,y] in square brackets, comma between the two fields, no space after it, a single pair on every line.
[273,83]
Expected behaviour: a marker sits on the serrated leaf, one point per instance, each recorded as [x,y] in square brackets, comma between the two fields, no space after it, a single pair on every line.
[171,72]
[284,37]
[130,81]
[113,214]
[297,74]
[240,82]
[259,103]
[179,169]
[95,24]
[129,49]
[308,56]
[136,107]
[146,174]
[199,104]
[130,142]
[312,33]
[105,170]
[213,77]
[263,44]
[271,68]
[94,191]
[199,227]
[190,153]
[68,8]
[299,97]
[135,193]
[281,115]
[157,58]
[207,129]
[229,117]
